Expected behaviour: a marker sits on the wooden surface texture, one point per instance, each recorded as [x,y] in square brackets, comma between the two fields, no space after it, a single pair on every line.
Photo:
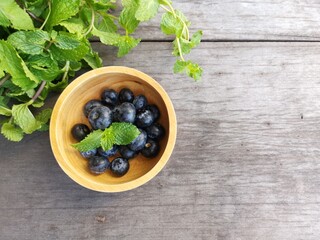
[246,162]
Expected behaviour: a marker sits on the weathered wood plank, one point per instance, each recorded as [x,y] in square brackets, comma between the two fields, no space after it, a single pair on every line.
[246,20]
[245,166]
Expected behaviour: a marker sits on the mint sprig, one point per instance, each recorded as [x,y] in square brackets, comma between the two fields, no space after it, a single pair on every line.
[43,44]
[118,133]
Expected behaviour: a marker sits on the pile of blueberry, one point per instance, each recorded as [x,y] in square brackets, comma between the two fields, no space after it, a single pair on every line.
[120,107]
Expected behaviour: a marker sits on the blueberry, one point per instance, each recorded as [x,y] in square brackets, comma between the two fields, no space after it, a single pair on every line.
[100,117]
[155,111]
[126,95]
[109,152]
[140,102]
[89,154]
[144,118]
[80,131]
[98,165]
[91,105]
[151,149]
[125,112]
[139,142]
[126,152]
[109,97]
[119,166]
[155,131]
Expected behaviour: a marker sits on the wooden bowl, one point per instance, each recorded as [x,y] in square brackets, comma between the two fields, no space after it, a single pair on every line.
[68,111]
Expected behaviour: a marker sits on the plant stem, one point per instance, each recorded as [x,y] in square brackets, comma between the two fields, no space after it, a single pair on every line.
[66,70]
[35,17]
[4,79]
[40,89]
[45,21]
[91,24]
[180,51]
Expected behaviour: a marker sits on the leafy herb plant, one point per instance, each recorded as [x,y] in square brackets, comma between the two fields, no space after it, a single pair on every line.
[44,42]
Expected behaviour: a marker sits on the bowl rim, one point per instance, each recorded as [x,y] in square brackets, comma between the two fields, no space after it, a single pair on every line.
[100,187]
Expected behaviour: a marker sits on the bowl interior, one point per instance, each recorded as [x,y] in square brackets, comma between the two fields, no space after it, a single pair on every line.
[70,111]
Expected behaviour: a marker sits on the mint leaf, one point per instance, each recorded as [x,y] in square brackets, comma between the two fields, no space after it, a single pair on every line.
[127,17]
[30,42]
[106,24]
[186,45]
[74,25]
[11,132]
[171,24]
[62,10]
[44,115]
[5,111]
[75,54]
[4,21]
[10,10]
[24,118]
[108,138]
[12,63]
[166,2]
[124,133]
[126,44]
[66,40]
[191,69]
[92,141]
[93,59]
[147,9]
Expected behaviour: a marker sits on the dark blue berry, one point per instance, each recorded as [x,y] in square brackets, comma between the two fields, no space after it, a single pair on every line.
[80,131]
[155,131]
[140,102]
[89,154]
[112,151]
[126,152]
[139,142]
[155,111]
[125,112]
[144,118]
[91,105]
[100,117]
[151,149]
[126,95]
[119,166]
[98,164]
[109,97]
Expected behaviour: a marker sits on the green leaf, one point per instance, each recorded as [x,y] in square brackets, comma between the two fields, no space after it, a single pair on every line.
[44,67]
[124,133]
[75,54]
[66,40]
[74,25]
[93,59]
[5,111]
[191,69]
[108,139]
[24,118]
[4,21]
[30,42]
[127,17]
[10,10]
[44,115]
[147,9]
[126,44]
[12,63]
[166,2]
[62,10]
[12,132]
[92,141]
[186,45]
[106,24]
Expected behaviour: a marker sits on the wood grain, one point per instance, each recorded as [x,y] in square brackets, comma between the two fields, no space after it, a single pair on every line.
[245,20]
[245,166]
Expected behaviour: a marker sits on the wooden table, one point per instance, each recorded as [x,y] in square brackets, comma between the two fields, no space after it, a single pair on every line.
[246,163]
